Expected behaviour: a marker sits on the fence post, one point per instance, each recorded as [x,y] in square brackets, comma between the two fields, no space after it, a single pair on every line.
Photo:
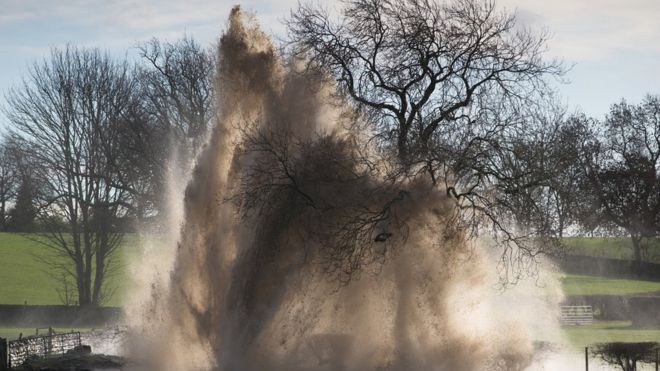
[4,355]
[657,359]
[586,358]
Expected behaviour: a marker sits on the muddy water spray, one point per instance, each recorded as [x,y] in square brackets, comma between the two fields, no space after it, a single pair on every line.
[252,290]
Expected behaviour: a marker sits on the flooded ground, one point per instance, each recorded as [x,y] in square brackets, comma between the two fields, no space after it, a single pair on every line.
[565,358]
[547,357]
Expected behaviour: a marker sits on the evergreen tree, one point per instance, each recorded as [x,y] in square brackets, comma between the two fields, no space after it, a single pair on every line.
[22,215]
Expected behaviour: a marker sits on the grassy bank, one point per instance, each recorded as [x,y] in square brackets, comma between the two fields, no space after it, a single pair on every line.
[600,332]
[25,277]
[611,247]
[595,285]
[25,274]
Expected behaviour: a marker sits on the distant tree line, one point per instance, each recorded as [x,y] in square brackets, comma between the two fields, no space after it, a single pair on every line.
[596,177]
[612,186]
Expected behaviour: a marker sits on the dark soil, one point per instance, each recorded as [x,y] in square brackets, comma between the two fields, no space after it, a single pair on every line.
[72,362]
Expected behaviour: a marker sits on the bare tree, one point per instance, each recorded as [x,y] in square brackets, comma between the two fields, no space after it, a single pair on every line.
[553,157]
[139,160]
[69,112]
[177,81]
[422,69]
[626,355]
[446,89]
[623,174]
[567,186]
[8,181]
[176,85]
[316,185]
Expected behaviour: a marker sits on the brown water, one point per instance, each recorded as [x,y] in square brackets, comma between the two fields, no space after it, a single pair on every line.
[276,265]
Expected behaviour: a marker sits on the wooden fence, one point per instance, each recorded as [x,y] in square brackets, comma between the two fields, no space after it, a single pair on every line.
[40,345]
[4,361]
[576,315]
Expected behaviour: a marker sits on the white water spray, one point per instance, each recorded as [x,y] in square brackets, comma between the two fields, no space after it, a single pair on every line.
[258,278]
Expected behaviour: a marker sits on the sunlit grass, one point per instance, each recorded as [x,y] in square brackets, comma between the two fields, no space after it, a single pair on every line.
[594,285]
[26,278]
[608,331]
[611,247]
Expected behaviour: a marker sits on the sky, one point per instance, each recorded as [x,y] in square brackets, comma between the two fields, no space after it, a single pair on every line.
[613,46]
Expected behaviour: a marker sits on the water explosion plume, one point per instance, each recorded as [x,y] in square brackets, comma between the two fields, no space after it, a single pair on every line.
[295,254]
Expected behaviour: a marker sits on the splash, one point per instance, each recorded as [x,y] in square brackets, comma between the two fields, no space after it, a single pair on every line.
[296,253]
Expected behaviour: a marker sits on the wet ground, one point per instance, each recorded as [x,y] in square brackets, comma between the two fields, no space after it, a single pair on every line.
[559,359]
[73,362]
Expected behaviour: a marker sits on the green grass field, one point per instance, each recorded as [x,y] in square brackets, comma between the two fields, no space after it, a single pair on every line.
[594,285]
[12,333]
[611,247]
[25,277]
[600,332]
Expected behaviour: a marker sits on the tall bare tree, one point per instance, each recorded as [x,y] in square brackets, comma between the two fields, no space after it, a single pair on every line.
[177,81]
[425,71]
[446,88]
[69,112]
[177,104]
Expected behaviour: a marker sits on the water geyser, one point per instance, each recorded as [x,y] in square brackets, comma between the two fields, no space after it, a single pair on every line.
[295,254]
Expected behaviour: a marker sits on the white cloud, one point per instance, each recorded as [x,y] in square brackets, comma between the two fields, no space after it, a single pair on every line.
[582,29]
[594,30]
[598,34]
[138,19]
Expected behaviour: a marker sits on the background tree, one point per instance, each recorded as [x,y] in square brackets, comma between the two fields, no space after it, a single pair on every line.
[23,214]
[531,163]
[177,104]
[177,80]
[8,181]
[568,185]
[69,112]
[560,144]
[138,158]
[422,70]
[623,172]
[443,87]
[626,355]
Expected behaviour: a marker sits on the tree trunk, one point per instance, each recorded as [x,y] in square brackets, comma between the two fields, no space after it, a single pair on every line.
[88,270]
[99,274]
[3,219]
[637,248]
[80,266]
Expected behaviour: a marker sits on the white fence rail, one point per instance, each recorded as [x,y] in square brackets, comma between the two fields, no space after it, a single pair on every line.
[576,315]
